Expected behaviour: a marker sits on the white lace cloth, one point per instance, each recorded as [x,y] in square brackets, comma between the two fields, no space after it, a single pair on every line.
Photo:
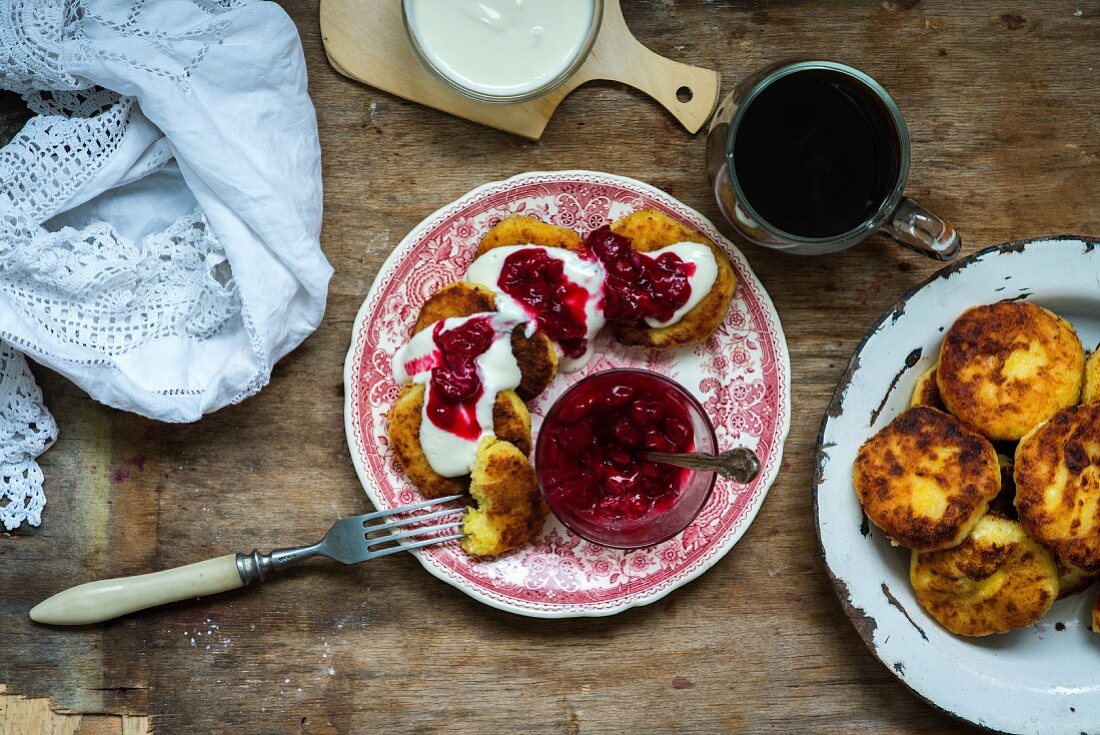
[159,214]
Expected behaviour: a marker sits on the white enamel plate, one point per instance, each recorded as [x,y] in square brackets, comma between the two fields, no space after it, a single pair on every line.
[1043,679]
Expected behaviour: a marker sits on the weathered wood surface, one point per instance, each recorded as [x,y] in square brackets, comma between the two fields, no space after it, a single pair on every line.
[1001,99]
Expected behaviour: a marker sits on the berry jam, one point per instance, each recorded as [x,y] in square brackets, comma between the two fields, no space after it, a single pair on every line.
[637,285]
[455,384]
[590,461]
[538,282]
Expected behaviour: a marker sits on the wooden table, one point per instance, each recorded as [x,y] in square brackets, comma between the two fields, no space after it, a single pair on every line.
[1001,100]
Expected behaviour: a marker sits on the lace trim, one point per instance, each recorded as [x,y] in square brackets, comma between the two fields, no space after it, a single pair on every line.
[30,46]
[59,151]
[26,430]
[92,287]
[21,495]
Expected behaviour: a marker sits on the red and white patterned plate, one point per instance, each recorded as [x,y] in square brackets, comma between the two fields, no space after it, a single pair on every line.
[741,375]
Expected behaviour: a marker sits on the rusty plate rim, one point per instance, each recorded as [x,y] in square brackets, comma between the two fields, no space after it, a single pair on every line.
[839,586]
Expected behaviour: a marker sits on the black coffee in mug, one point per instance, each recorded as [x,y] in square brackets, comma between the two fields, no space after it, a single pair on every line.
[809,156]
[816,153]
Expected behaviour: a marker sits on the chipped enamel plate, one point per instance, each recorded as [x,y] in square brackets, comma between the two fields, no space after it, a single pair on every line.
[1042,679]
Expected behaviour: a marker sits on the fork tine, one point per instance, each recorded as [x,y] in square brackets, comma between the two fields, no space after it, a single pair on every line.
[418,545]
[411,533]
[413,519]
[407,508]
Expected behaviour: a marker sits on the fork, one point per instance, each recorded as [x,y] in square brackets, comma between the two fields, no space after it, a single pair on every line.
[350,541]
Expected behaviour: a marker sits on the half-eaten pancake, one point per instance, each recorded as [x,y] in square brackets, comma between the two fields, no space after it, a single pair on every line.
[925,479]
[511,422]
[995,581]
[1004,368]
[535,355]
[510,509]
[1058,485]
[649,230]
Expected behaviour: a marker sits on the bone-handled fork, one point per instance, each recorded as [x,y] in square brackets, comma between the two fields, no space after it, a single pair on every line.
[351,541]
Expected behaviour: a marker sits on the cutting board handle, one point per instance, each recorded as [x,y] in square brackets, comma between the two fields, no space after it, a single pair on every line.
[690,93]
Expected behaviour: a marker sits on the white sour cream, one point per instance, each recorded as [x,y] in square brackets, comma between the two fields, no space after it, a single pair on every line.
[500,48]
[448,454]
[701,281]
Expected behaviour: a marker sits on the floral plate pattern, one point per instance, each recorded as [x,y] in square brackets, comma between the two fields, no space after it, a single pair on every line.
[741,375]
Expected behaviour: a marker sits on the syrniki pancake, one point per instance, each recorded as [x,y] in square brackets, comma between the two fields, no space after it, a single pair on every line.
[926,392]
[1057,476]
[995,581]
[1072,580]
[511,422]
[649,230]
[925,479]
[535,355]
[510,509]
[520,230]
[1004,368]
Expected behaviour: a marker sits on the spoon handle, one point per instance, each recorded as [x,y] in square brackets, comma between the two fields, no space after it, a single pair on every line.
[740,465]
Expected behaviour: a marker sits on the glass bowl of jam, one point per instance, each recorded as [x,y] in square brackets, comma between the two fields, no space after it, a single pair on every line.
[591,465]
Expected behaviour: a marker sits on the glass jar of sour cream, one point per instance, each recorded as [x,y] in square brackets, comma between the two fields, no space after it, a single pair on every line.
[502,50]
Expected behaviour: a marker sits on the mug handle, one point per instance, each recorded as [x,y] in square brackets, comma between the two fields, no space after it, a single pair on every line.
[918,229]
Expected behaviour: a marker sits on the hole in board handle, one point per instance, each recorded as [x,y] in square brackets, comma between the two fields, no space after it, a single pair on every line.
[684,94]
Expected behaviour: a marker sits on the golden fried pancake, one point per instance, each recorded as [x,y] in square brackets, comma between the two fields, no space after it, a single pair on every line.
[925,479]
[1072,580]
[535,355]
[454,300]
[926,392]
[510,422]
[1090,391]
[651,230]
[510,509]
[1005,368]
[520,230]
[1058,485]
[995,581]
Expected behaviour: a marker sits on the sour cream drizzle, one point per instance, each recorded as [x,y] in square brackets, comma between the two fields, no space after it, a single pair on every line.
[701,279]
[584,273]
[451,450]
[450,431]
[590,275]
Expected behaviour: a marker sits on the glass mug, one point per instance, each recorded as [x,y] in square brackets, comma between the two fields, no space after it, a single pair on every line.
[817,183]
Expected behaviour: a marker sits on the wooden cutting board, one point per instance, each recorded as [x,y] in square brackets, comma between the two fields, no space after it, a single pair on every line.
[366,40]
